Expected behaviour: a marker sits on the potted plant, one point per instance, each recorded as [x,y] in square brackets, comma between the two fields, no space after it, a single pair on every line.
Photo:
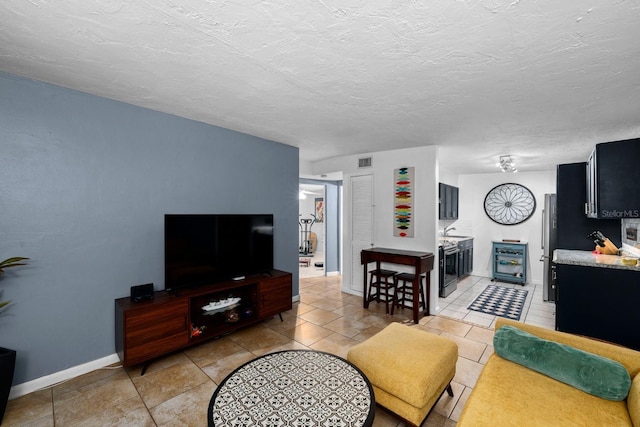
[7,356]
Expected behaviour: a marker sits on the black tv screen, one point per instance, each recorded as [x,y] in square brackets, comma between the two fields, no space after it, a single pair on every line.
[204,249]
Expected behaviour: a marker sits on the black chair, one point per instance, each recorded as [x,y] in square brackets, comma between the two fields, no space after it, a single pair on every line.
[404,292]
[384,283]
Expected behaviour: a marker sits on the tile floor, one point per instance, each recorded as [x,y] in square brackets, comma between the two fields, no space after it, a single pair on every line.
[176,390]
[311,270]
[535,312]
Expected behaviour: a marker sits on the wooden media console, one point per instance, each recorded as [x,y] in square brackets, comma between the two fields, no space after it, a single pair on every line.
[149,329]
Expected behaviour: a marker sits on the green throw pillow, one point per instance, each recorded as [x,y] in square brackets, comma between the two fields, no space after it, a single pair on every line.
[588,372]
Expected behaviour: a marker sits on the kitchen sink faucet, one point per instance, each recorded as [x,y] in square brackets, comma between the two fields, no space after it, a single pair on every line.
[447,229]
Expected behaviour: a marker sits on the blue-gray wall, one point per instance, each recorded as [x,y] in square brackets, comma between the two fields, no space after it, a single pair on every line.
[84,186]
[332,215]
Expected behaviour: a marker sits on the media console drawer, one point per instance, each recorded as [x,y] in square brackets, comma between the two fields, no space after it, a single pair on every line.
[155,348]
[275,296]
[149,326]
[151,330]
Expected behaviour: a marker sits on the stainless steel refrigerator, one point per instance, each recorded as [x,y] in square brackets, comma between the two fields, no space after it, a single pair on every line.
[549,243]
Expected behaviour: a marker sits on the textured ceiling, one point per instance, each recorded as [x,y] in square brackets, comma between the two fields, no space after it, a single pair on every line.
[541,80]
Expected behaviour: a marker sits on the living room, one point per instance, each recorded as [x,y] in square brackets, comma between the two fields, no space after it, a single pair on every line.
[87,181]
[87,208]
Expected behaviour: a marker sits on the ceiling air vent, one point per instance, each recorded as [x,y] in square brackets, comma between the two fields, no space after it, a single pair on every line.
[364,163]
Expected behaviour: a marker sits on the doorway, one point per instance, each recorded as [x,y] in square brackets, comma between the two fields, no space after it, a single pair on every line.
[312,234]
[362,221]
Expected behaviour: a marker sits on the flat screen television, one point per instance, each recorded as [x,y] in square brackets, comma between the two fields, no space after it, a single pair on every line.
[205,249]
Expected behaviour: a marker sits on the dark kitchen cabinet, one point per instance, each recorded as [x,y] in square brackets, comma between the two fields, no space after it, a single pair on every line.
[612,180]
[448,202]
[599,302]
[573,226]
[465,257]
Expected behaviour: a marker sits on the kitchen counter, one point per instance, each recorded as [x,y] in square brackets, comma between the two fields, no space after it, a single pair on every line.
[590,259]
[453,239]
[597,296]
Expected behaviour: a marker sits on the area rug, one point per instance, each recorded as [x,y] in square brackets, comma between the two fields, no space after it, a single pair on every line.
[500,301]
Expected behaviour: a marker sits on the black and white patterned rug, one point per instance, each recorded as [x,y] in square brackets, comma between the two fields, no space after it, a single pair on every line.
[500,301]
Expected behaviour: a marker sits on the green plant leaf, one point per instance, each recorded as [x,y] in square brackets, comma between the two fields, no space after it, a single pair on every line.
[12,262]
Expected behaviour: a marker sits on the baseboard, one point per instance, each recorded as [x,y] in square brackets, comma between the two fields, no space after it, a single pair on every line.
[351,292]
[333,273]
[58,377]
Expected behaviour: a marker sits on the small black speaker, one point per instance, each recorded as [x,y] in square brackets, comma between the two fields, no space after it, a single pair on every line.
[142,292]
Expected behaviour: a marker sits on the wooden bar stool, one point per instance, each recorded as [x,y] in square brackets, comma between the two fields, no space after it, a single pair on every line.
[384,283]
[404,292]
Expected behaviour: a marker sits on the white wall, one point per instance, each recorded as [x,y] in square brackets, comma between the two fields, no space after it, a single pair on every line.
[425,205]
[446,176]
[475,222]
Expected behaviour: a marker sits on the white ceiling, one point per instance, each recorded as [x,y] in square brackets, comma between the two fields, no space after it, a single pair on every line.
[541,80]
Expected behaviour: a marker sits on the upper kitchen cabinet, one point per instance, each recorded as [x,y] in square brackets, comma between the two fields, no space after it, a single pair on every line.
[573,226]
[448,201]
[613,177]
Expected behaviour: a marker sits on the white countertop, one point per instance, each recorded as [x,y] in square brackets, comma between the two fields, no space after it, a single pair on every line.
[590,259]
[454,238]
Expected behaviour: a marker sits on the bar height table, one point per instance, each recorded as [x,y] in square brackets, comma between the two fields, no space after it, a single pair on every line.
[421,261]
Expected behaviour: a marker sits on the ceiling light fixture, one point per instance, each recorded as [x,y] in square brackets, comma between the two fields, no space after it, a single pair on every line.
[302,194]
[506,164]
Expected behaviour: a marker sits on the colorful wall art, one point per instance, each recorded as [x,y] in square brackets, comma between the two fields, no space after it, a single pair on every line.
[319,209]
[403,202]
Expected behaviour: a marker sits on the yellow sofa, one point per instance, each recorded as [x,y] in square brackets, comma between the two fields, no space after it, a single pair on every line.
[509,394]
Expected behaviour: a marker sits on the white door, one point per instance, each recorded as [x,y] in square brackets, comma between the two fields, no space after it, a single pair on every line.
[361,225]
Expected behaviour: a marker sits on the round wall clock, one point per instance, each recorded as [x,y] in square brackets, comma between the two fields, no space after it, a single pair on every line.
[509,204]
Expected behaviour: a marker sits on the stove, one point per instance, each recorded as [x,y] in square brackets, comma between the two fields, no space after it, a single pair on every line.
[448,267]
[449,246]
